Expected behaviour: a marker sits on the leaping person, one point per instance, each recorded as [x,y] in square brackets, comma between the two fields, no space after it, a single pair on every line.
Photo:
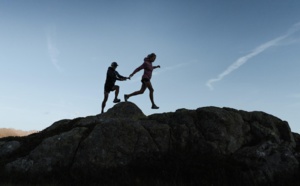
[146,83]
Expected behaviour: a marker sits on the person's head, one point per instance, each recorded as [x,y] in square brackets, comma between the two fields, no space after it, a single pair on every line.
[151,57]
[114,65]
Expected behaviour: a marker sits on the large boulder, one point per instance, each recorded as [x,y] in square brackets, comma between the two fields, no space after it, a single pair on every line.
[8,148]
[53,155]
[207,146]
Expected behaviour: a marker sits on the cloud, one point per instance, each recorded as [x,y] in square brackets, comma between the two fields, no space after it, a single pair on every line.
[242,60]
[52,49]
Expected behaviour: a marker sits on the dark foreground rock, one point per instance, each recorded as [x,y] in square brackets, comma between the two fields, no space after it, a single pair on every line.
[206,146]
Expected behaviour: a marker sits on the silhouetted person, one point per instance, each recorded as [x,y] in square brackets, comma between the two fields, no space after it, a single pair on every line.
[146,83]
[111,77]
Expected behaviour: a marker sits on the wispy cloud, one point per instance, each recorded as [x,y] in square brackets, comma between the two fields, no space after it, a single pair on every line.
[242,60]
[52,49]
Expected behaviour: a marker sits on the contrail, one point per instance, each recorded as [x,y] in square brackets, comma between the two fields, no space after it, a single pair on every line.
[242,60]
[52,49]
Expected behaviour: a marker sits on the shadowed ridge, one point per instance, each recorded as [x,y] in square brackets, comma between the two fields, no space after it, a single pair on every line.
[205,146]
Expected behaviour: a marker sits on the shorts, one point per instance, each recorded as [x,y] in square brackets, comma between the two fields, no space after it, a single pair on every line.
[144,80]
[108,88]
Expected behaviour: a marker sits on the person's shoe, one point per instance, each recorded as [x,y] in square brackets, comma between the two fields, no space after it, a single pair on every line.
[154,107]
[116,100]
[126,97]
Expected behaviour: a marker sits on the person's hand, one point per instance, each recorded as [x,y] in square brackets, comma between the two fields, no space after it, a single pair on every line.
[130,76]
[158,66]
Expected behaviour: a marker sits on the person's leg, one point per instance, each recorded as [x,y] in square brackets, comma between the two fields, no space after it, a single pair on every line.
[141,91]
[104,101]
[151,90]
[116,88]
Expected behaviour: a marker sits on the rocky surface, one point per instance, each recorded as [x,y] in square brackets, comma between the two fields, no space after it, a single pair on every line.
[208,146]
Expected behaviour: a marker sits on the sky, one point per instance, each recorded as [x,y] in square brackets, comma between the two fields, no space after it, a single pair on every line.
[240,54]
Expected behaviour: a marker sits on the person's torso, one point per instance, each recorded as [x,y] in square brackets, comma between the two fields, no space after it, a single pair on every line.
[110,76]
[148,68]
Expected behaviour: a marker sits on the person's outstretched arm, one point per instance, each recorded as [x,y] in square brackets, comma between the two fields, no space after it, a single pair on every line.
[158,66]
[136,70]
[120,77]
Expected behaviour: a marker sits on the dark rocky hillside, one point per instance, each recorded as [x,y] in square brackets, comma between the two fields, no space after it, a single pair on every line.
[206,146]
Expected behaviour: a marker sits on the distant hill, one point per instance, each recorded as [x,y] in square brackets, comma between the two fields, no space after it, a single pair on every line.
[5,132]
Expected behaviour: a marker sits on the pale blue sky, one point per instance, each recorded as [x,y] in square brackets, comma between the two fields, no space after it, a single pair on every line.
[235,53]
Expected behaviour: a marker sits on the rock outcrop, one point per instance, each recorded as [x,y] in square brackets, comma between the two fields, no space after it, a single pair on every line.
[208,146]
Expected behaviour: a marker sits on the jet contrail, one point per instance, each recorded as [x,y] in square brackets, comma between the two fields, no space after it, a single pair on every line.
[242,60]
[52,49]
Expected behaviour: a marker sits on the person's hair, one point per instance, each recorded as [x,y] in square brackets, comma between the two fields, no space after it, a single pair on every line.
[151,55]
